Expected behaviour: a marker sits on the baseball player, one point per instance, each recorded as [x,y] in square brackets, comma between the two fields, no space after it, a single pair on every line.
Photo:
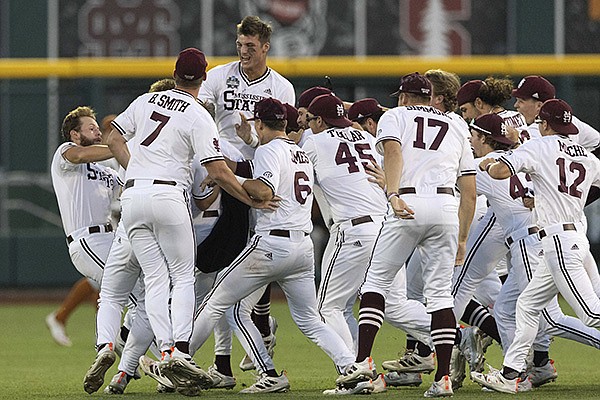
[401,312]
[562,179]
[530,94]
[235,88]
[84,191]
[424,153]
[338,152]
[165,130]
[489,133]
[281,251]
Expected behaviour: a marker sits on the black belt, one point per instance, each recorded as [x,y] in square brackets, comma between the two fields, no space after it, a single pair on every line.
[131,182]
[565,227]
[93,229]
[530,231]
[210,214]
[439,190]
[361,220]
[282,233]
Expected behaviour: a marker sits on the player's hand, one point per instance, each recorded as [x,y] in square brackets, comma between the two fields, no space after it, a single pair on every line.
[485,162]
[512,133]
[460,253]
[244,130]
[529,202]
[207,182]
[271,204]
[296,136]
[377,174]
[401,209]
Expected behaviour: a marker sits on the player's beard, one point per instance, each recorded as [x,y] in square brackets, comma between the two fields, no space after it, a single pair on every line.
[84,141]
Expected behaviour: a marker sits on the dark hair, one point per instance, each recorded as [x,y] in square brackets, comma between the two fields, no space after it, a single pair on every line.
[252,25]
[496,91]
[72,121]
[276,125]
[446,84]
[487,139]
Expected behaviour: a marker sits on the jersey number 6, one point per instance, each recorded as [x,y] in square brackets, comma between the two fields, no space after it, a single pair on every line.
[301,190]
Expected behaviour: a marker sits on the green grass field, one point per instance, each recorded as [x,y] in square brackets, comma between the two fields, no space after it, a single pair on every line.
[34,367]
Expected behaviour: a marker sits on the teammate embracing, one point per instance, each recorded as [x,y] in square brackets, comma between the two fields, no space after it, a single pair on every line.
[424,153]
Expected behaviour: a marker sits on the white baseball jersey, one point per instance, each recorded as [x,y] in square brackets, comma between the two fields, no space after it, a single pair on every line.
[505,197]
[588,137]
[422,129]
[287,170]
[84,191]
[512,118]
[339,156]
[232,92]
[562,177]
[162,147]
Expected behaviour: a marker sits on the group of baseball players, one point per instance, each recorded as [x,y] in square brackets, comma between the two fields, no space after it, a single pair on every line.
[431,220]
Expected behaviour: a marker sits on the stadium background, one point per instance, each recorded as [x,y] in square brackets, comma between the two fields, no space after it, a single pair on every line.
[58,54]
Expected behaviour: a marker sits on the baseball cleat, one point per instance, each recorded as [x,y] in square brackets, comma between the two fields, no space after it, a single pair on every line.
[441,388]
[94,378]
[359,371]
[152,369]
[496,381]
[379,384]
[365,387]
[403,378]
[269,384]
[411,362]
[457,368]
[118,384]
[57,330]
[541,375]
[183,372]
[220,381]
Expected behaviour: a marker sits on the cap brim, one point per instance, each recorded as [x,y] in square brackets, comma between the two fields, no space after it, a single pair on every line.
[570,129]
[341,122]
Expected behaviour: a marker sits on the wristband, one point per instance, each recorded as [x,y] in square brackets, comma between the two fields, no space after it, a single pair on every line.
[253,142]
[393,194]
[240,180]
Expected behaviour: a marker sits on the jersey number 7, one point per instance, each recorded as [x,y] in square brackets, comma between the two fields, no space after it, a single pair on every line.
[162,120]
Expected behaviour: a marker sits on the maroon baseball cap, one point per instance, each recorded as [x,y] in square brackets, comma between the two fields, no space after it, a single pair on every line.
[491,125]
[559,115]
[364,108]
[469,92]
[309,95]
[292,118]
[534,87]
[414,83]
[331,109]
[191,64]
[269,109]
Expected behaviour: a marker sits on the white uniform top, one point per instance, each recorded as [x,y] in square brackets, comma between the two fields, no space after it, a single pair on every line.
[505,197]
[84,192]
[232,92]
[339,156]
[588,137]
[305,135]
[512,118]
[461,122]
[165,130]
[287,170]
[435,148]
[562,172]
